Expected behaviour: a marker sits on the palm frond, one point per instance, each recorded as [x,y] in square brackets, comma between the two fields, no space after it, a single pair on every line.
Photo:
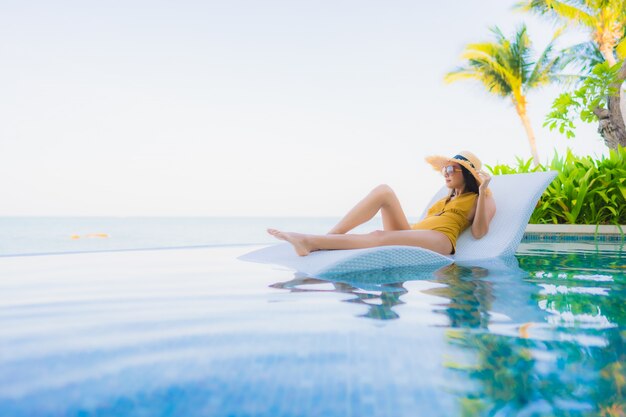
[547,65]
[484,69]
[579,12]
[582,56]
[568,80]
[620,49]
[497,76]
[460,74]
[473,50]
[500,38]
[519,56]
[506,67]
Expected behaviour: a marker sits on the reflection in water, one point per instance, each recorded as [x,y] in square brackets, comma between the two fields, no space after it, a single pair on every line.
[531,377]
[469,297]
[379,300]
[541,334]
[580,289]
[570,364]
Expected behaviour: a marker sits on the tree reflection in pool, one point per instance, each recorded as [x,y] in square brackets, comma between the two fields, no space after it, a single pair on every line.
[538,334]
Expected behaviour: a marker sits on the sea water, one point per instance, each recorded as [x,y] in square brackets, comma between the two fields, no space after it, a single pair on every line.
[39,235]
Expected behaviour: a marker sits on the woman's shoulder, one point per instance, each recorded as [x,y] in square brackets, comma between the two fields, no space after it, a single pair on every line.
[465,201]
[467,196]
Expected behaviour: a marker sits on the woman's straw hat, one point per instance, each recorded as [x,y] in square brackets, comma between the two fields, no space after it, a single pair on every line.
[465,158]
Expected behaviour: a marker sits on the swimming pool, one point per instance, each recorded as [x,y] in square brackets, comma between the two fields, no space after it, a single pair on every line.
[195,332]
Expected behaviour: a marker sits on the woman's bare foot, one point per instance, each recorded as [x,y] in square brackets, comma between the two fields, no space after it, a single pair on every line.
[297,240]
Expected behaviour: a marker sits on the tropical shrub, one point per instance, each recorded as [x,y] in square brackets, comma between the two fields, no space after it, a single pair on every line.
[585,191]
[593,93]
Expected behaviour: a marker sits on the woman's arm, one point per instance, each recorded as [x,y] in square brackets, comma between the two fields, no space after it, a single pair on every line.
[485,208]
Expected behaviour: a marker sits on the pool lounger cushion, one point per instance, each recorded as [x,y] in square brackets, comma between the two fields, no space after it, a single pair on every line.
[516,196]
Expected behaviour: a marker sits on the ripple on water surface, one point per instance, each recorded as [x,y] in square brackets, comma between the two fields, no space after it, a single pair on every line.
[198,333]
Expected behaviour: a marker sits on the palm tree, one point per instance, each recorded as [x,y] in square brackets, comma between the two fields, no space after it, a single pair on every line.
[505,68]
[605,19]
[606,22]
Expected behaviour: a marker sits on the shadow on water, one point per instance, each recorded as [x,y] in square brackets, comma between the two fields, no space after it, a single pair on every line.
[539,334]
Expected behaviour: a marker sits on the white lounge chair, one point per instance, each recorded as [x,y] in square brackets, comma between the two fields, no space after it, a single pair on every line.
[516,196]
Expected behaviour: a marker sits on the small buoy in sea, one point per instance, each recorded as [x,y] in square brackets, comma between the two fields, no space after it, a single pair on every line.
[90,235]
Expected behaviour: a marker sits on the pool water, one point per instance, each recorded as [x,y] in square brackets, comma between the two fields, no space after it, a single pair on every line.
[196,332]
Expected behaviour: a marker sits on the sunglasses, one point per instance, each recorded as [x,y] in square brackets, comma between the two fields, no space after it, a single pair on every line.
[449,170]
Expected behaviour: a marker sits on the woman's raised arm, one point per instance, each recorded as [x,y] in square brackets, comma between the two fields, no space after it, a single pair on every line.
[485,208]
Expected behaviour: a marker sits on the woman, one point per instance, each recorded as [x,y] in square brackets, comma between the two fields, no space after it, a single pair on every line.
[468,203]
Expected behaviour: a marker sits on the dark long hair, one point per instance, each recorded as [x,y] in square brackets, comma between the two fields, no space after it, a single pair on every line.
[471,185]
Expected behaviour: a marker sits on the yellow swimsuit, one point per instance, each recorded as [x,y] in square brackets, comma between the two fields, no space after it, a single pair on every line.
[448,217]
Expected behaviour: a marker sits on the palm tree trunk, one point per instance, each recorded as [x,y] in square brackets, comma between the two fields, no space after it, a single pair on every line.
[521,111]
[612,127]
[607,53]
[611,123]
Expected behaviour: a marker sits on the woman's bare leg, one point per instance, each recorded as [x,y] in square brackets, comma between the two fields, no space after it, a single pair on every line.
[305,244]
[380,198]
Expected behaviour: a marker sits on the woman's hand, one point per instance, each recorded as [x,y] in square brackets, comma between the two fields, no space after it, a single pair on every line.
[486,178]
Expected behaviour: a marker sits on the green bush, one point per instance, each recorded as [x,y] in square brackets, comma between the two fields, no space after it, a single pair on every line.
[585,191]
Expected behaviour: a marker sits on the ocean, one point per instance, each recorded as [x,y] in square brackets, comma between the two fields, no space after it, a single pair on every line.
[51,235]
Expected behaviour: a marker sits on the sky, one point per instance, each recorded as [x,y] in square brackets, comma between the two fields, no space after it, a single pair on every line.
[249,108]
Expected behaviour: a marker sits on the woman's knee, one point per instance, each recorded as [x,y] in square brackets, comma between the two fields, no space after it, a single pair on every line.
[377,236]
[383,190]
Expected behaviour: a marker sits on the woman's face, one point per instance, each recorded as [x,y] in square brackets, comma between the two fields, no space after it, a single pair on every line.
[453,176]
